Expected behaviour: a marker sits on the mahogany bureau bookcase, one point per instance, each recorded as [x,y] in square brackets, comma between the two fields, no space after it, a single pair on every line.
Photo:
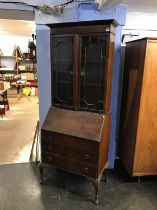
[75,134]
[138,124]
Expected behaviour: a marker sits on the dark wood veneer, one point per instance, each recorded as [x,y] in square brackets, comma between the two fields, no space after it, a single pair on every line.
[75,134]
[100,26]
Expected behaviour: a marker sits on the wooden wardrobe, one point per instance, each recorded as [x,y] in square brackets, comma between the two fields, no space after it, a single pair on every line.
[138,124]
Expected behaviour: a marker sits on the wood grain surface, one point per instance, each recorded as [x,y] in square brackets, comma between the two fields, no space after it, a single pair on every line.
[145,161]
[74,123]
[131,93]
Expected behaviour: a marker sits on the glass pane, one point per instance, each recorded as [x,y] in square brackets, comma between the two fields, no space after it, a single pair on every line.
[93,61]
[62,64]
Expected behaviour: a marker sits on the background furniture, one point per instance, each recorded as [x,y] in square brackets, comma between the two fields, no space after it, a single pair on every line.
[2,111]
[20,87]
[138,126]
[75,134]
[4,103]
[13,67]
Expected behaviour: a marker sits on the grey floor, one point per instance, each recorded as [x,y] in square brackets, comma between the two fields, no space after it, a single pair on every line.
[20,190]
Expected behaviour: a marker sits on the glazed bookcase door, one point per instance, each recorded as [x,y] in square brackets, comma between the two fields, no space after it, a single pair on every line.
[93,72]
[62,71]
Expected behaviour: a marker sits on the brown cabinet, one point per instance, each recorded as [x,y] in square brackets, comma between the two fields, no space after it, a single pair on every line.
[138,126]
[76,131]
[72,141]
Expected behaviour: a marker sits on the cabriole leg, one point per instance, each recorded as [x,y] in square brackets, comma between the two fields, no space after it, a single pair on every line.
[95,183]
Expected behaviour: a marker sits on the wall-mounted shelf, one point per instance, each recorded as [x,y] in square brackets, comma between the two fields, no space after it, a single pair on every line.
[12,71]
[7,71]
[5,64]
[27,60]
[8,56]
[29,63]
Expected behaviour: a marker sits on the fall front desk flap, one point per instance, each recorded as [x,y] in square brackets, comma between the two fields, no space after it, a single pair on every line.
[74,123]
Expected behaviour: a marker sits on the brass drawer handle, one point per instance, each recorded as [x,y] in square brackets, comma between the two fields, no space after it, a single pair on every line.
[86,170]
[87,157]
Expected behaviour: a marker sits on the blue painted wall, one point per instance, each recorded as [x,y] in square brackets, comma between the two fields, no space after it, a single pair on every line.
[83,13]
[44,70]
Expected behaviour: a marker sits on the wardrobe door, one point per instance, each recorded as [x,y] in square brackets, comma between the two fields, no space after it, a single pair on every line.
[130,102]
[145,161]
[62,71]
[92,72]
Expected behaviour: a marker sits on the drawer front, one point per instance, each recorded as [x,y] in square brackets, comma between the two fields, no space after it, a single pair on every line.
[82,150]
[69,141]
[70,153]
[70,165]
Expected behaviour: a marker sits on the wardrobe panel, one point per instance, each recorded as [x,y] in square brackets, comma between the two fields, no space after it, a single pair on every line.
[146,143]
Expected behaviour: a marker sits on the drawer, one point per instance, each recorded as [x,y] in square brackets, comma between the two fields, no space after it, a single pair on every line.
[70,165]
[70,153]
[74,143]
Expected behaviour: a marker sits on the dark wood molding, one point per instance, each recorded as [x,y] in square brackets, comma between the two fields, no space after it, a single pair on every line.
[103,26]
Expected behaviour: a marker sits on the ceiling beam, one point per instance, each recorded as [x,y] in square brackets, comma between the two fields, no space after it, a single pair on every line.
[17,14]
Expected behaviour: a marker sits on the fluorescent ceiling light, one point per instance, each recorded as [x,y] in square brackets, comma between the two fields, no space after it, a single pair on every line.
[108,4]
